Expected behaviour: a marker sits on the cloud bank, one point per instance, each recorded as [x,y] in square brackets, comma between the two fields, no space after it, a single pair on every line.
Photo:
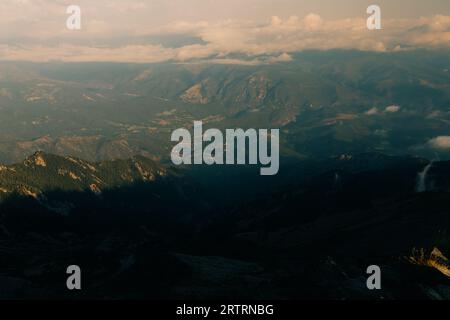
[29,33]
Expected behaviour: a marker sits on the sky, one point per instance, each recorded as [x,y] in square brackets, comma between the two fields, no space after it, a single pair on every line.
[213,30]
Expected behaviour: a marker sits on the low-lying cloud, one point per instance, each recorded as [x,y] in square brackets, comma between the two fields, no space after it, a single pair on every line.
[393,109]
[440,143]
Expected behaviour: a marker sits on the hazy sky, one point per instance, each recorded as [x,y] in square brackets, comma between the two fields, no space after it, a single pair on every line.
[261,9]
[160,30]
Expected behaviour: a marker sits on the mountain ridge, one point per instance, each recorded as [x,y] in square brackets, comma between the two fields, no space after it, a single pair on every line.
[42,172]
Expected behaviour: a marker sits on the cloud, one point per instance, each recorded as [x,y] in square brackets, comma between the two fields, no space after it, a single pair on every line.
[392,109]
[440,143]
[312,22]
[284,57]
[372,112]
[117,30]
[70,53]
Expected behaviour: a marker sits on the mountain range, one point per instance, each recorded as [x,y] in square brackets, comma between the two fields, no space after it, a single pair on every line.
[364,178]
[324,102]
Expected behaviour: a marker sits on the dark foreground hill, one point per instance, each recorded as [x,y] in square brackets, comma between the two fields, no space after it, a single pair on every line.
[156,233]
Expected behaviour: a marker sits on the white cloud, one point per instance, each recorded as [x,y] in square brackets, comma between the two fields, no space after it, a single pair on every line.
[312,22]
[392,109]
[372,112]
[441,143]
[284,57]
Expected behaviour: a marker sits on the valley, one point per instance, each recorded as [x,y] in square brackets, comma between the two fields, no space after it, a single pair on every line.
[86,177]
[323,102]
